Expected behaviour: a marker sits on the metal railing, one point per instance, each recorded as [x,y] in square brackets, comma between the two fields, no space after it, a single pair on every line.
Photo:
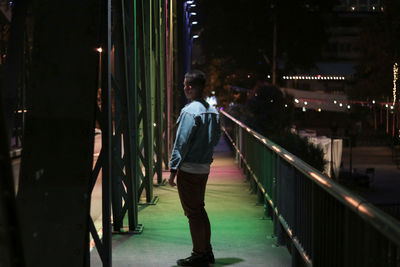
[321,222]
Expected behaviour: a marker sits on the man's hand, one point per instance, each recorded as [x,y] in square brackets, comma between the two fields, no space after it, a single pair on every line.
[171,179]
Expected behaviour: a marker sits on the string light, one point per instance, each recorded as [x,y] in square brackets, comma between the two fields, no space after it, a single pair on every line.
[319,77]
[395,73]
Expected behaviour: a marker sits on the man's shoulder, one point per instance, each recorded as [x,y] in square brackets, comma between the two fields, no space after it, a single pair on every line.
[197,107]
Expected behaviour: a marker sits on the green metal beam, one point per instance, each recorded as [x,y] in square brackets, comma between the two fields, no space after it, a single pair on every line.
[124,184]
[144,87]
[159,88]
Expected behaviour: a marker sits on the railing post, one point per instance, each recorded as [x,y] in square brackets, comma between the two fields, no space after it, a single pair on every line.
[278,229]
[296,258]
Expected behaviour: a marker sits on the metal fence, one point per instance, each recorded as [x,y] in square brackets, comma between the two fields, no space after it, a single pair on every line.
[321,222]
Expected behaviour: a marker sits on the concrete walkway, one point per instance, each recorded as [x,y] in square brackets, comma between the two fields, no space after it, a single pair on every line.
[240,234]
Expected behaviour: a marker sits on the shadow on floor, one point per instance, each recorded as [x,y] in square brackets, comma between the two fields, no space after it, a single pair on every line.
[223,262]
[226,261]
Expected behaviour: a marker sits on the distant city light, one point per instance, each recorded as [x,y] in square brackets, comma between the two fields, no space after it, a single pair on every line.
[194,22]
[319,77]
[99,49]
[269,76]
[386,105]
[305,102]
[395,77]
[340,105]
[319,110]
[304,109]
[373,101]
[391,107]
[189,2]
[348,106]
[213,92]
[195,36]
[296,100]
[193,5]
[285,105]
[334,102]
[193,13]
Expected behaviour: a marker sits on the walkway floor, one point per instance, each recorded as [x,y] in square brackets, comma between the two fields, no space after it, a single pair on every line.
[240,234]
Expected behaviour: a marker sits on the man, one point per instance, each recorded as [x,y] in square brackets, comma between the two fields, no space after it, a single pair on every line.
[198,132]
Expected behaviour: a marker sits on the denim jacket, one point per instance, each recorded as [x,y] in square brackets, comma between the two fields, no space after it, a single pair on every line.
[198,132]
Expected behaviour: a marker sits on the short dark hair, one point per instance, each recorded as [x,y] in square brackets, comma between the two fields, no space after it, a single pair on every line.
[196,79]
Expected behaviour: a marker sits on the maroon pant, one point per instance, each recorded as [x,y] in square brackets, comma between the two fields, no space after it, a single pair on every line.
[191,188]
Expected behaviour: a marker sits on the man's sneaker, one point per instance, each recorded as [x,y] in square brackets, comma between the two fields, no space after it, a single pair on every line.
[194,260]
[210,257]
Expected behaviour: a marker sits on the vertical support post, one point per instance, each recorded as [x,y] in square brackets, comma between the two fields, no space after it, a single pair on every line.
[145,92]
[148,104]
[54,194]
[10,239]
[14,63]
[164,79]
[158,125]
[129,19]
[123,179]
[107,140]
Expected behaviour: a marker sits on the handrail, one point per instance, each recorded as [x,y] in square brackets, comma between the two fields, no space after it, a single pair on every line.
[383,223]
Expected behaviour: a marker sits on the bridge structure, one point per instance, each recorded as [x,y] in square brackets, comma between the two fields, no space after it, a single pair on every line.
[77,68]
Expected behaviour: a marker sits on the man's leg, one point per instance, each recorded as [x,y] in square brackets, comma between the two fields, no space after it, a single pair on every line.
[191,188]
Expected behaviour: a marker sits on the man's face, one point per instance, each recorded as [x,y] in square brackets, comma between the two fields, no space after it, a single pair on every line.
[189,91]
